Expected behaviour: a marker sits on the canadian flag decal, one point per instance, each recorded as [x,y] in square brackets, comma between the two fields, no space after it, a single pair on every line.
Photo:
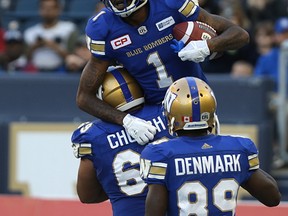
[186,118]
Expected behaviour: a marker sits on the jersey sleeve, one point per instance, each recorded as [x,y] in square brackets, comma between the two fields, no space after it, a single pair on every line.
[187,8]
[81,141]
[252,156]
[252,152]
[153,164]
[96,32]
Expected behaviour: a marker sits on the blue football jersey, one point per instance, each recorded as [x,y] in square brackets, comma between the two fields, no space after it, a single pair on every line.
[144,50]
[116,157]
[203,174]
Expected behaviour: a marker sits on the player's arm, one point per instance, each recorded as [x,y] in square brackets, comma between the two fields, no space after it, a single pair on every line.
[90,81]
[263,187]
[89,189]
[156,200]
[91,78]
[230,36]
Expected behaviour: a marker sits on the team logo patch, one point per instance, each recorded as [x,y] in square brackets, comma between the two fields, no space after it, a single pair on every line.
[206,146]
[165,23]
[121,42]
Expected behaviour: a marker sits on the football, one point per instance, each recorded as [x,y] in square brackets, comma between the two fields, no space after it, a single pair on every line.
[188,31]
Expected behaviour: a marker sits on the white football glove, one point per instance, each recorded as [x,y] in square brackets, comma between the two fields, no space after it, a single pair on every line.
[195,51]
[139,129]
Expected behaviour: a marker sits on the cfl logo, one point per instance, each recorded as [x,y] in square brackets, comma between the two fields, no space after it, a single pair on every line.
[205,36]
[120,42]
[142,30]
[205,116]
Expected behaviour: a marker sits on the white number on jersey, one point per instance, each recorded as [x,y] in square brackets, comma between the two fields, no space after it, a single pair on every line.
[129,158]
[199,207]
[163,81]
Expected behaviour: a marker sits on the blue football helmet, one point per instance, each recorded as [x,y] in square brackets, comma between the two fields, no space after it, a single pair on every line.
[127,8]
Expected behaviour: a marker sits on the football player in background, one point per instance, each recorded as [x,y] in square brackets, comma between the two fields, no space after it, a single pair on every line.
[199,173]
[109,167]
[138,35]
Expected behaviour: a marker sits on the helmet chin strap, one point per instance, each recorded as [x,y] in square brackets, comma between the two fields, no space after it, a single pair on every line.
[171,126]
[217,124]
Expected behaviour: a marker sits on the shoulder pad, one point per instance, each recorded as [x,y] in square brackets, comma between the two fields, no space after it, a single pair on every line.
[98,26]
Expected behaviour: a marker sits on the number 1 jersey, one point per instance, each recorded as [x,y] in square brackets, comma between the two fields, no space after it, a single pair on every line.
[144,50]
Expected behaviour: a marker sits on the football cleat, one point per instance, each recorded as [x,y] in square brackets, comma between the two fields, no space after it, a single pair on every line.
[127,10]
[120,90]
[189,104]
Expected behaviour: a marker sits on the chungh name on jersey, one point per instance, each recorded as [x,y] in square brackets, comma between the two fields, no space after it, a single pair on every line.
[121,138]
[207,164]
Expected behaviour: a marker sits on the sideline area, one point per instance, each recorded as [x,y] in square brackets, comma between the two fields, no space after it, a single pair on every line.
[11,205]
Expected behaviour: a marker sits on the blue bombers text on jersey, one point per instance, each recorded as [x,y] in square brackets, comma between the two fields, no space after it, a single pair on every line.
[202,174]
[116,157]
[145,50]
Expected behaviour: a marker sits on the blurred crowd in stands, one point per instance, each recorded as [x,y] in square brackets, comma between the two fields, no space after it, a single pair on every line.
[56,44]
[50,44]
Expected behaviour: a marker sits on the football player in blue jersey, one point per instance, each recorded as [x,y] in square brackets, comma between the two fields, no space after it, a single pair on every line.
[138,35]
[109,167]
[199,173]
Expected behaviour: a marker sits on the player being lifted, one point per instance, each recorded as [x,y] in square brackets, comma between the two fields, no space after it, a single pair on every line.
[138,35]
[199,173]
[109,167]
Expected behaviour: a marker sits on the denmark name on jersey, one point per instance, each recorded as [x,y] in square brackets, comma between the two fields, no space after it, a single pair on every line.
[202,174]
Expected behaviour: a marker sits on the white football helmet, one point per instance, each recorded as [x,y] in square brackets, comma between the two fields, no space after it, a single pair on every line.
[189,104]
[128,8]
[120,90]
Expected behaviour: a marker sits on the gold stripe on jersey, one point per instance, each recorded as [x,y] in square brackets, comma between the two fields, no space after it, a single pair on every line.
[253,161]
[188,8]
[81,149]
[97,47]
[157,170]
[85,151]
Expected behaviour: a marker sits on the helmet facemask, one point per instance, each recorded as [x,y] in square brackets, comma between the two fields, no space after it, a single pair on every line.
[128,8]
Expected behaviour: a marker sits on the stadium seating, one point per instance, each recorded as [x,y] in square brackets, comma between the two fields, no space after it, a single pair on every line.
[83,7]
[25,12]
[26,6]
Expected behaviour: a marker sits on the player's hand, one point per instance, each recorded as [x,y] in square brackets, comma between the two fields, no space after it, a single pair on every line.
[177,45]
[195,51]
[139,129]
